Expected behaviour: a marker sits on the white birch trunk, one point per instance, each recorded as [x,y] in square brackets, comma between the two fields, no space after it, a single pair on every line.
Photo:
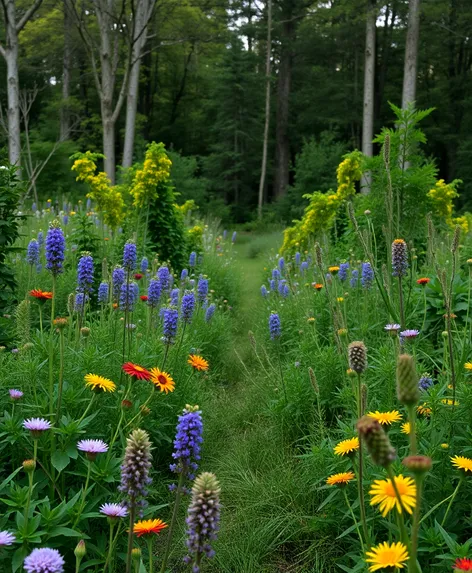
[66,74]
[369,90]
[410,71]
[13,86]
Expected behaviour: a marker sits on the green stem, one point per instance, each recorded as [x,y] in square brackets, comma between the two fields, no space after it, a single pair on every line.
[61,374]
[149,544]
[87,409]
[110,546]
[453,497]
[142,407]
[84,494]
[41,320]
[354,519]
[28,500]
[132,515]
[412,420]
[175,513]
[413,567]
[279,355]
[400,295]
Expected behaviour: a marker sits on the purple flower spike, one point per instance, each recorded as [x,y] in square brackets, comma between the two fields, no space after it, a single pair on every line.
[6,538]
[92,448]
[15,394]
[44,560]
[274,326]
[85,273]
[118,278]
[170,316]
[187,443]
[188,306]
[37,426]
[130,256]
[202,289]
[210,311]
[154,292]
[55,248]
[113,510]
[103,290]
[135,469]
[32,253]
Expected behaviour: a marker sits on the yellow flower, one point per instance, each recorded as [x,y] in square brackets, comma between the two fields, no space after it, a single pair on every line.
[148,526]
[340,479]
[468,366]
[333,270]
[348,446]
[449,402]
[383,494]
[99,383]
[163,381]
[387,555]
[311,319]
[461,463]
[445,446]
[424,409]
[406,428]
[342,331]
[197,362]
[340,299]
[385,418]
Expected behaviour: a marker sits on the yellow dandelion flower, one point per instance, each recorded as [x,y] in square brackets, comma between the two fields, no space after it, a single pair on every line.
[340,479]
[462,463]
[383,494]
[340,299]
[385,418]
[387,555]
[445,446]
[311,319]
[406,429]
[424,409]
[347,447]
[468,366]
[99,383]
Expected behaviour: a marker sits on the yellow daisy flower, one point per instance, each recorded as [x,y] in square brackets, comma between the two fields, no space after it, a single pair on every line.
[406,429]
[462,463]
[197,362]
[383,494]
[449,402]
[163,381]
[468,366]
[385,418]
[445,446]
[424,409]
[333,270]
[340,479]
[99,383]
[387,555]
[347,447]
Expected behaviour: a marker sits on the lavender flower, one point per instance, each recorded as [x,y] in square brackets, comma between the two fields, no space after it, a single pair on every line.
[354,278]
[329,278]
[272,285]
[118,278]
[174,297]
[399,258]
[192,260]
[128,296]
[367,276]
[233,238]
[281,264]
[163,274]
[409,333]
[284,290]
[103,291]
[342,274]
[39,267]
[187,442]
[210,311]
[130,256]
[425,383]
[135,469]
[40,239]
[55,247]
[92,448]
[32,253]
[183,275]
[298,258]
[170,316]
[202,289]
[6,538]
[203,519]
[15,394]
[113,510]
[264,291]
[304,267]
[88,205]
[36,426]
[85,273]
[65,219]
[392,328]
[274,326]
[276,274]
[44,560]
[80,301]
[188,306]
[144,265]
[154,292]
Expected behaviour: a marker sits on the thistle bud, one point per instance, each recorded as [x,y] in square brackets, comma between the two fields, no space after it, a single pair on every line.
[85,331]
[407,380]
[80,550]
[313,381]
[60,323]
[136,554]
[29,466]
[418,464]
[357,353]
[350,372]
[376,440]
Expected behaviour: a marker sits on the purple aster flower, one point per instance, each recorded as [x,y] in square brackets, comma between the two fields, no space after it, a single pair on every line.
[187,443]
[281,264]
[192,260]
[32,252]
[113,510]
[144,265]
[275,328]
[130,256]
[183,275]
[276,274]
[202,519]
[409,333]
[354,278]
[163,274]
[154,292]
[169,329]
[128,296]
[202,289]
[367,275]
[233,238]
[298,258]
[55,248]
[36,426]
[85,273]
[92,448]
[210,311]
[342,274]
[103,291]
[188,306]
[44,560]
[399,258]
[6,538]
[425,383]
[264,291]
[304,267]
[118,278]
[80,300]
[135,469]
[392,328]
[174,297]
[15,394]
[65,219]
[40,239]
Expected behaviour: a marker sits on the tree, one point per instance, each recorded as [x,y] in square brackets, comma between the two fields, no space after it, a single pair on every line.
[14,24]
[411,54]
[369,89]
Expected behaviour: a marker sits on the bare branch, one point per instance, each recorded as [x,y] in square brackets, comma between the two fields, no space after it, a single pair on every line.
[2,51]
[28,15]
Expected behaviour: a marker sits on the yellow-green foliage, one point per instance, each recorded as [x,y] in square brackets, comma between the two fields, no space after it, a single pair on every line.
[187,207]
[109,199]
[323,207]
[442,196]
[195,238]
[156,169]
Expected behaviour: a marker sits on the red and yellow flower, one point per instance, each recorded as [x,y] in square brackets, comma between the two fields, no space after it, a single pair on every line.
[148,526]
[136,371]
[41,295]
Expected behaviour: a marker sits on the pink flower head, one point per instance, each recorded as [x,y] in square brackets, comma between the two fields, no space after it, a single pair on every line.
[15,394]
[6,538]
[36,426]
[113,510]
[409,333]
[92,448]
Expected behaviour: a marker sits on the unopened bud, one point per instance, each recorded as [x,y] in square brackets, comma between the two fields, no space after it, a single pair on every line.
[29,466]
[145,411]
[60,323]
[407,380]
[85,331]
[126,404]
[418,464]
[376,440]
[80,550]
[136,554]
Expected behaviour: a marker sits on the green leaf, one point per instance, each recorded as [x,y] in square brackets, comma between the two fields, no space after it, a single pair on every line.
[65,531]
[60,460]
[18,558]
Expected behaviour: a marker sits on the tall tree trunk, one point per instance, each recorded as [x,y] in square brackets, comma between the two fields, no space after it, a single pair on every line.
[411,54]
[282,141]
[66,74]
[265,143]
[369,90]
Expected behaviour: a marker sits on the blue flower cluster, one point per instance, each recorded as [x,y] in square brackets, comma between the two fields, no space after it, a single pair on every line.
[130,256]
[188,306]
[32,252]
[187,443]
[170,318]
[85,273]
[103,291]
[202,289]
[154,292]
[55,248]
[367,275]
[275,327]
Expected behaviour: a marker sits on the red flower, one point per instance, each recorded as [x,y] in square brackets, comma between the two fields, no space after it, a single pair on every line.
[144,297]
[41,295]
[136,371]
[463,564]
[423,281]
[138,276]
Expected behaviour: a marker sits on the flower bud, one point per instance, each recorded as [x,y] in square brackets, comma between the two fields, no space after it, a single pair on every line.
[85,331]
[145,411]
[357,353]
[60,323]
[407,380]
[29,466]
[136,554]
[418,464]
[126,404]
[376,440]
[80,550]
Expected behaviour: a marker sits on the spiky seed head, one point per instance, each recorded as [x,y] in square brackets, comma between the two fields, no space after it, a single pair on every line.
[407,380]
[71,303]
[357,353]
[376,440]
[313,381]
[456,239]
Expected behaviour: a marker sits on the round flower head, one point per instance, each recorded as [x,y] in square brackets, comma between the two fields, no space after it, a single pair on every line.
[44,560]
[130,256]
[383,494]
[197,362]
[462,463]
[92,448]
[406,428]
[36,426]
[6,538]
[148,526]
[385,555]
[385,418]
[347,447]
[32,252]
[425,382]
[41,295]
[317,286]
[409,333]
[468,366]
[113,510]
[210,311]
[162,380]
[55,248]
[423,281]
[15,394]
[333,269]
[462,564]
[99,383]
[399,258]
[340,479]
[393,328]
[136,371]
